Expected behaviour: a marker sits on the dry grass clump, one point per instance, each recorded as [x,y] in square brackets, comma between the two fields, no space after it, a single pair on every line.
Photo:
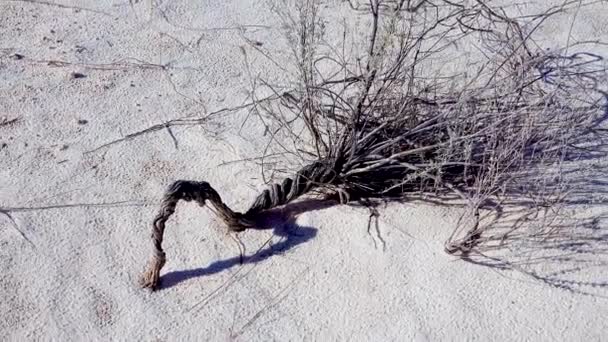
[383,124]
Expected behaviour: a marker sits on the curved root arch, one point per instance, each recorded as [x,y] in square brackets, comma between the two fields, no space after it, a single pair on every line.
[308,178]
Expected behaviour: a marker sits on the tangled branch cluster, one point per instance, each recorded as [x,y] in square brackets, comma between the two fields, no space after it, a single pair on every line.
[379,124]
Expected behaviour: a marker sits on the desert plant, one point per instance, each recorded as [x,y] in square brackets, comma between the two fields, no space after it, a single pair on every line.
[382,124]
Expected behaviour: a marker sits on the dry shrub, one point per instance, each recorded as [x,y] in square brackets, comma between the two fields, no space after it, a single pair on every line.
[382,122]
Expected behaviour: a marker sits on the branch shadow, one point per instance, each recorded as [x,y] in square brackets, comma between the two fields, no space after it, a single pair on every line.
[569,253]
[556,231]
[283,223]
[562,244]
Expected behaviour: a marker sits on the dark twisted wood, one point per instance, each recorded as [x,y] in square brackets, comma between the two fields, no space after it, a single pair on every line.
[308,178]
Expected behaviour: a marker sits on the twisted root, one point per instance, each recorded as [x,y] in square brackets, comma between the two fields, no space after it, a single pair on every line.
[308,178]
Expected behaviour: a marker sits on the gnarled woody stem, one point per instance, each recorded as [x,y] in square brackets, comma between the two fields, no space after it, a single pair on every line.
[305,180]
[187,191]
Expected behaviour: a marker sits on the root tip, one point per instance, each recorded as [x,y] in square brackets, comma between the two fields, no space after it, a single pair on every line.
[150,278]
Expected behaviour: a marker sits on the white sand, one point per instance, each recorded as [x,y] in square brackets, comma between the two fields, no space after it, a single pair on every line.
[70,267]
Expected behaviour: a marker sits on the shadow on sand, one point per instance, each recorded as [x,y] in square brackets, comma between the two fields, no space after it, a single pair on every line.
[281,221]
